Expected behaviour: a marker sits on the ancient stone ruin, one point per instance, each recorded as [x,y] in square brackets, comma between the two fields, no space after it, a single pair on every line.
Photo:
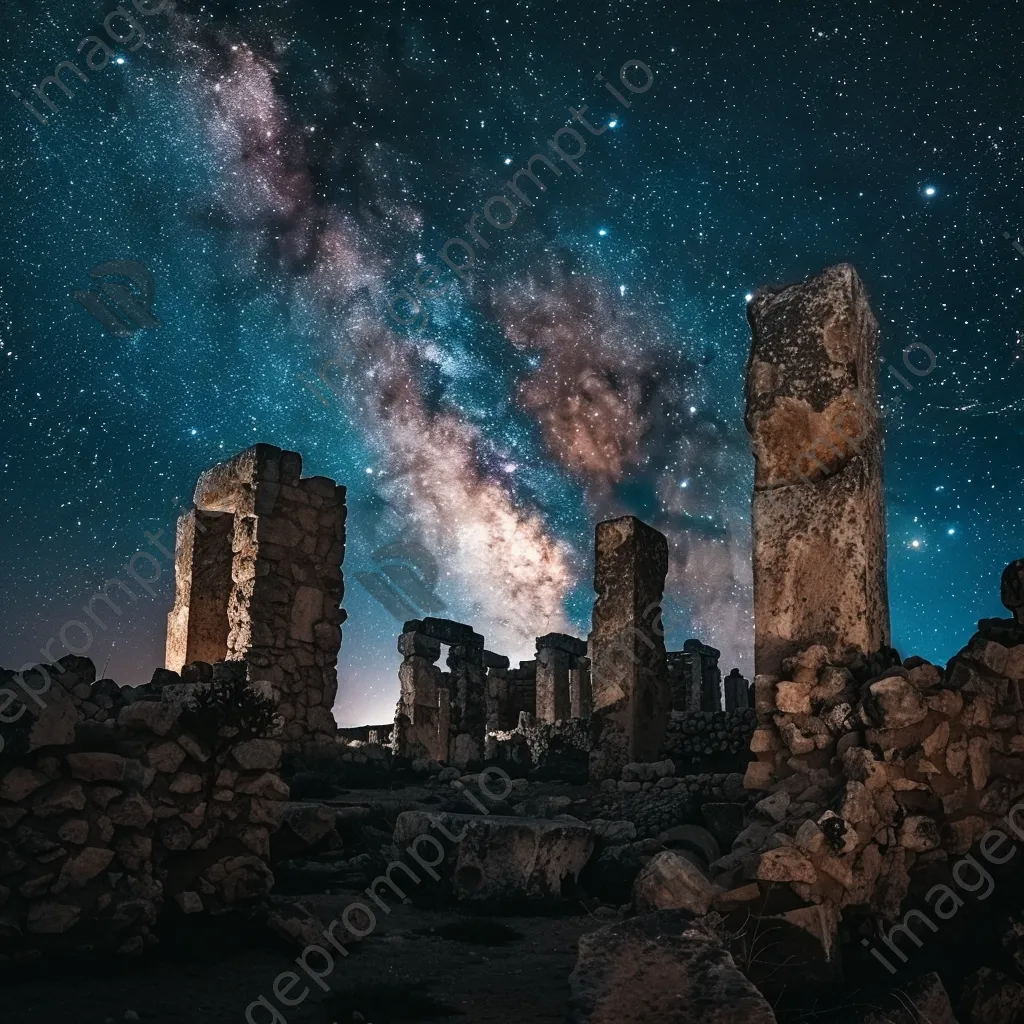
[819,505]
[718,850]
[258,579]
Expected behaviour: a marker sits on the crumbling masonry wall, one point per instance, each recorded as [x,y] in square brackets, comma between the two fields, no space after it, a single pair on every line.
[108,814]
[818,508]
[258,578]
[441,716]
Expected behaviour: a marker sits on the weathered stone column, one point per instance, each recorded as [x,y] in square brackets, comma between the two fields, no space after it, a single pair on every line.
[556,654]
[818,507]
[706,676]
[737,692]
[197,625]
[469,707]
[418,730]
[581,696]
[627,646]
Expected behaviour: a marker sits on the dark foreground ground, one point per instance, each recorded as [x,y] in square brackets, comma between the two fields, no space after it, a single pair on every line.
[417,967]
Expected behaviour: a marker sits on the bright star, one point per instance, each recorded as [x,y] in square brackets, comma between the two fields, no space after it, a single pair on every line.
[930,190]
[951,531]
[749,296]
[120,60]
[508,160]
[612,124]
[915,543]
[602,232]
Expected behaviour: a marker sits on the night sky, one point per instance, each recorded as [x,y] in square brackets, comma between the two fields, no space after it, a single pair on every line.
[286,169]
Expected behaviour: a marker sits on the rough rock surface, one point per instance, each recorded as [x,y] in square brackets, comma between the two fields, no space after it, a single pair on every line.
[664,967]
[500,859]
[818,506]
[258,578]
[672,882]
[629,677]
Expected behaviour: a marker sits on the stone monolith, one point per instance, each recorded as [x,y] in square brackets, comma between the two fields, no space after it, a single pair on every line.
[818,508]
[629,680]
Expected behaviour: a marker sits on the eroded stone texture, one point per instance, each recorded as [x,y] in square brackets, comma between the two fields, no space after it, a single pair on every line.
[197,625]
[558,656]
[629,678]
[818,507]
[664,967]
[500,859]
[279,609]
[442,716]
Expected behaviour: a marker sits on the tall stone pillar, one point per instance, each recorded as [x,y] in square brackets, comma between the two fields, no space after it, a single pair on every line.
[469,703]
[706,676]
[421,719]
[737,692]
[629,678]
[818,506]
[282,607]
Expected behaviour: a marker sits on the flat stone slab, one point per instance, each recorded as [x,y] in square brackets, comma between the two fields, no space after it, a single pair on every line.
[495,858]
[663,967]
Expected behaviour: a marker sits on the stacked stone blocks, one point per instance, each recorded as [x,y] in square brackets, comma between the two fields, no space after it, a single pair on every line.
[258,579]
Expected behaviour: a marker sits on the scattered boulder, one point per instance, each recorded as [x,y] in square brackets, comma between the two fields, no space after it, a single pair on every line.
[496,859]
[989,997]
[672,882]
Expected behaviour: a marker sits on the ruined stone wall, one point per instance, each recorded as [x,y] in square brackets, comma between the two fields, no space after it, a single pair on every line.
[442,716]
[871,776]
[104,820]
[258,578]
[655,797]
[712,739]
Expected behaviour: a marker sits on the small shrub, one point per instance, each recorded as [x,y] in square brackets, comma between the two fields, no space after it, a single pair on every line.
[222,714]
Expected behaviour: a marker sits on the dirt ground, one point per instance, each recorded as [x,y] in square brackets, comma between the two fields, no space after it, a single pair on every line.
[416,967]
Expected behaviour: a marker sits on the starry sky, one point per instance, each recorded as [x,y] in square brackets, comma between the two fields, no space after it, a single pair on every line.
[284,170]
